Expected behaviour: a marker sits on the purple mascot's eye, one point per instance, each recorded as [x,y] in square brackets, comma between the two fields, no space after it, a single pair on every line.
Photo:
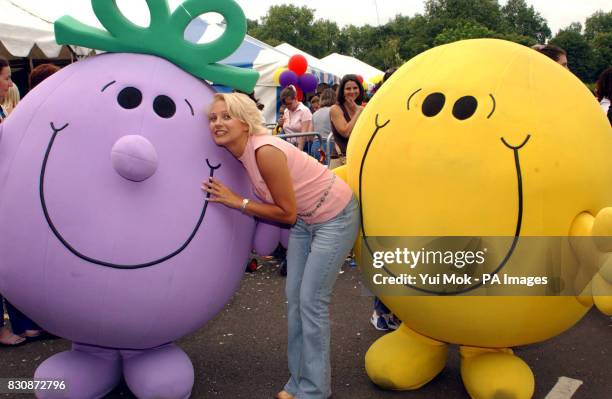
[164,106]
[129,98]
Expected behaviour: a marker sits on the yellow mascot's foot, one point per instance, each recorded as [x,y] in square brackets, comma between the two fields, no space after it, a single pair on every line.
[404,359]
[495,374]
[602,294]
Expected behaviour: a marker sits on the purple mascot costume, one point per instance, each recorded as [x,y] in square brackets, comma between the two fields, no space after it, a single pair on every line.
[106,238]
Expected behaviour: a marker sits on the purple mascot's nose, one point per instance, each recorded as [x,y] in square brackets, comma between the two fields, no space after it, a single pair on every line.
[134,158]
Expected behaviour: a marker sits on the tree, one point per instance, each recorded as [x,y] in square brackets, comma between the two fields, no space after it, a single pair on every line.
[525,21]
[581,58]
[451,12]
[465,30]
[414,35]
[324,38]
[602,49]
[574,27]
[286,23]
[600,22]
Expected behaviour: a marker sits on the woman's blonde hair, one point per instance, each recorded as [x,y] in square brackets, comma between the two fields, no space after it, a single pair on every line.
[241,107]
[11,99]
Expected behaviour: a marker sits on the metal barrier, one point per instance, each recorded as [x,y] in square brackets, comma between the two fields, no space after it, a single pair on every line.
[327,145]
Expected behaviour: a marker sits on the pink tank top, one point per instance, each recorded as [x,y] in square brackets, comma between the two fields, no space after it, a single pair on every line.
[320,195]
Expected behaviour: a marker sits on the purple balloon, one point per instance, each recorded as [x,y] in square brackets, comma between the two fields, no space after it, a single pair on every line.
[308,82]
[288,78]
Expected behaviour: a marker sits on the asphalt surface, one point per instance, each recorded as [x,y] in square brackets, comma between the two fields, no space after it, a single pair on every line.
[241,353]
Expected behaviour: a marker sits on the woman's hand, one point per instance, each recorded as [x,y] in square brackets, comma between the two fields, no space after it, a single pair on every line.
[220,193]
[350,104]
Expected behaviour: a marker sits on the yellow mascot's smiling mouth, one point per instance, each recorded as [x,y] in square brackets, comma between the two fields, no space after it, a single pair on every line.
[519,219]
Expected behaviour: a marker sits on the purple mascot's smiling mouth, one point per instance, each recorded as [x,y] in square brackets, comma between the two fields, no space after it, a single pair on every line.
[97,261]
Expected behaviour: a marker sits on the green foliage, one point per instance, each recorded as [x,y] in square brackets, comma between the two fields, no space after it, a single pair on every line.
[602,49]
[444,21]
[525,21]
[286,23]
[598,23]
[465,30]
[483,12]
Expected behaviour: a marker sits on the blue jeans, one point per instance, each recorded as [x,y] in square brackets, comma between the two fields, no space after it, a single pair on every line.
[314,257]
[380,307]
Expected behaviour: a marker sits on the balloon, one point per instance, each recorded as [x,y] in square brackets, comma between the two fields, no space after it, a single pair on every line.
[288,78]
[277,74]
[308,82]
[300,94]
[298,64]
[377,79]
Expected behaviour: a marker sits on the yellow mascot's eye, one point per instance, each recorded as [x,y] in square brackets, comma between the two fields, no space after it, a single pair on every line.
[465,107]
[433,104]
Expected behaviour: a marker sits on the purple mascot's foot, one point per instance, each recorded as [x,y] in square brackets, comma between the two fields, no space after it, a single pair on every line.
[88,371]
[162,373]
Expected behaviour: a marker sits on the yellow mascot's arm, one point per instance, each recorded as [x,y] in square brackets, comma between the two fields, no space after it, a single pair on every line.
[341,172]
[598,252]
[602,282]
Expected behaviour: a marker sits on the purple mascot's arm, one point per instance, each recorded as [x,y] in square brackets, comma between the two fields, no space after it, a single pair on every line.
[266,238]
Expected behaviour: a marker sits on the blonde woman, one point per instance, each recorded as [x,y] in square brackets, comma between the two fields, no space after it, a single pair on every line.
[294,189]
[11,99]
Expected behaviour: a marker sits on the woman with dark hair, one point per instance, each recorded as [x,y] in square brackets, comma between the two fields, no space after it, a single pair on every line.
[5,84]
[346,111]
[604,91]
[555,53]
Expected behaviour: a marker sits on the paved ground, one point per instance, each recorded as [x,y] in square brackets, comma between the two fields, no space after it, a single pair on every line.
[241,354]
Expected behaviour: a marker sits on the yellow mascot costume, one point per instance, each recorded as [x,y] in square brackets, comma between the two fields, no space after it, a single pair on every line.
[484,138]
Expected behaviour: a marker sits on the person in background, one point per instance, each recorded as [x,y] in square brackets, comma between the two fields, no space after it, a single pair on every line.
[11,99]
[315,104]
[5,84]
[345,112]
[297,117]
[292,189]
[23,329]
[603,89]
[278,129]
[321,88]
[321,123]
[40,73]
[555,53]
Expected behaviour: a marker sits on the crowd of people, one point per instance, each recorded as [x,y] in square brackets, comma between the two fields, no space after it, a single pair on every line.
[291,189]
[22,330]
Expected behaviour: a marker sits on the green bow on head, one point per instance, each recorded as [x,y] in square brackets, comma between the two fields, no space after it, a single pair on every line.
[164,37]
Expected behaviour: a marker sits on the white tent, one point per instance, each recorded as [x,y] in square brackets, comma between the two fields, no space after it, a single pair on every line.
[24,34]
[343,65]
